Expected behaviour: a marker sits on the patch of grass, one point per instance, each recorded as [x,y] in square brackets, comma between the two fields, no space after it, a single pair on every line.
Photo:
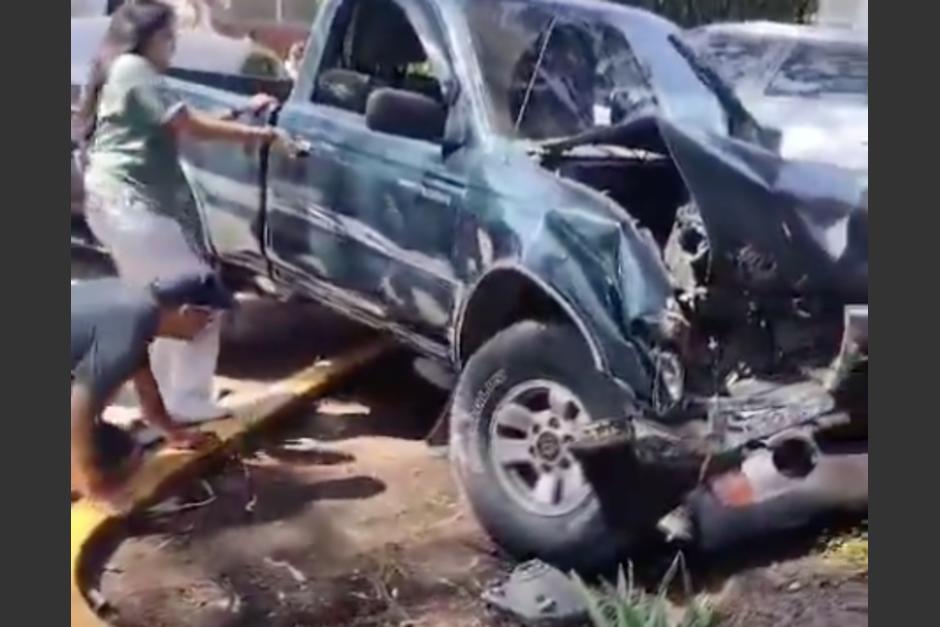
[847,548]
[624,605]
[851,550]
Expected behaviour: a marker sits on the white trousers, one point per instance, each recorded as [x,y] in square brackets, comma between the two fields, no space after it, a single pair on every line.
[146,247]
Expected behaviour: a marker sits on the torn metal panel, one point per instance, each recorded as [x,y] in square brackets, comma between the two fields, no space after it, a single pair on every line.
[535,593]
[777,226]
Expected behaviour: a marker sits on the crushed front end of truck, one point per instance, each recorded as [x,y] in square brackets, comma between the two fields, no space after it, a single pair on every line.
[765,352]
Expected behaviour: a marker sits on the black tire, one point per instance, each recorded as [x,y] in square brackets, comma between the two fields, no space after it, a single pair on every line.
[528,351]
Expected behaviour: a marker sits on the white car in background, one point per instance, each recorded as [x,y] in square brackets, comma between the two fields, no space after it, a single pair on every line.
[809,82]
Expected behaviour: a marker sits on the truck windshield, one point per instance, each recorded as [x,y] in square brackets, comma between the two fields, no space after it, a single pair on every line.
[554,70]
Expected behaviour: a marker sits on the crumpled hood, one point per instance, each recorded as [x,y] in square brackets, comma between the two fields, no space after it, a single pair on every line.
[777,225]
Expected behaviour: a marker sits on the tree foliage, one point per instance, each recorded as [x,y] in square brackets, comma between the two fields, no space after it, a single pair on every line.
[695,12]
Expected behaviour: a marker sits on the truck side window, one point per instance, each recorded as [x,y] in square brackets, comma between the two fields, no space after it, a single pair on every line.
[372,45]
[550,72]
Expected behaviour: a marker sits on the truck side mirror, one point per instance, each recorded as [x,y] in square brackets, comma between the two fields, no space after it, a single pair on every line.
[407,114]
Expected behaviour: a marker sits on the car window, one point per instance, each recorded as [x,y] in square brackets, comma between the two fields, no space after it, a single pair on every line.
[553,71]
[372,45]
[821,70]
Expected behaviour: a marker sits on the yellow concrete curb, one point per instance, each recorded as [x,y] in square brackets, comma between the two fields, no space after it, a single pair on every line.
[89,520]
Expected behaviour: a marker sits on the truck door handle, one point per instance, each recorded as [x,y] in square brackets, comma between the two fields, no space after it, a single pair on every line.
[442,190]
[294,147]
[409,185]
[436,194]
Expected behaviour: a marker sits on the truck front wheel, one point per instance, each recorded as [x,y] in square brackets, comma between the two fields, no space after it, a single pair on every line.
[518,405]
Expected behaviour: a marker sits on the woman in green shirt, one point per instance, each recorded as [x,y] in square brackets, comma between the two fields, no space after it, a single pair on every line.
[139,204]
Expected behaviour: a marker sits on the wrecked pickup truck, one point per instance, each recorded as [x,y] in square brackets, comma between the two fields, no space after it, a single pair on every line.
[658,322]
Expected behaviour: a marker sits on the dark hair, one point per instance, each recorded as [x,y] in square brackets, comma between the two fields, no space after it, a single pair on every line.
[131,29]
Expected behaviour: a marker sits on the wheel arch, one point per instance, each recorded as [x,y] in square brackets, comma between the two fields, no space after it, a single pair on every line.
[523,296]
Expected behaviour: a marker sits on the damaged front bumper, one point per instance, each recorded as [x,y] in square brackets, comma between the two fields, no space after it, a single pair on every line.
[767,462]
[793,479]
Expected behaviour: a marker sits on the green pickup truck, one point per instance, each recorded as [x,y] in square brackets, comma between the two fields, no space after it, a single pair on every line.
[641,300]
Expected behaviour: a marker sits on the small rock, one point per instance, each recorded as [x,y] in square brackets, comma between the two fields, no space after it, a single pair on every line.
[796,586]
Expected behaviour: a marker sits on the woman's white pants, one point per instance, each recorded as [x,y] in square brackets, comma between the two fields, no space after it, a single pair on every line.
[145,247]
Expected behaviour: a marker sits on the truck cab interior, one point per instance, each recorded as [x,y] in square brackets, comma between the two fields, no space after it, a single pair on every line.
[374,46]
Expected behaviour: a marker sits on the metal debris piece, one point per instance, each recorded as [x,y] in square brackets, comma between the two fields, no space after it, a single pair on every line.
[677,525]
[303,445]
[334,407]
[231,603]
[538,594]
[170,506]
[295,574]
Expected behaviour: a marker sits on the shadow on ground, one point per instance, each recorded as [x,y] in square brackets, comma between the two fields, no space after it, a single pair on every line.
[264,340]
[339,516]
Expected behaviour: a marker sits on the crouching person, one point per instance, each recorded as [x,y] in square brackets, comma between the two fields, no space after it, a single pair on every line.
[113,325]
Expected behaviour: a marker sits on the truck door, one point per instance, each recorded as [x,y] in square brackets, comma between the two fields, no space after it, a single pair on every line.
[226,179]
[373,215]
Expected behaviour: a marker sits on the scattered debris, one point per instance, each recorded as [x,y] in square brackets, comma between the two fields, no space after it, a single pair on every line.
[251,504]
[538,594]
[231,604]
[303,445]
[295,574]
[260,458]
[390,598]
[173,506]
[333,407]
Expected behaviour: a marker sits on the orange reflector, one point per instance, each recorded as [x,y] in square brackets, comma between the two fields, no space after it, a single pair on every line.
[733,490]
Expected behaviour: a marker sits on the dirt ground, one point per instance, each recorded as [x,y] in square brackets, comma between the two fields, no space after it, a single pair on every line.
[344,516]
[811,591]
[341,517]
